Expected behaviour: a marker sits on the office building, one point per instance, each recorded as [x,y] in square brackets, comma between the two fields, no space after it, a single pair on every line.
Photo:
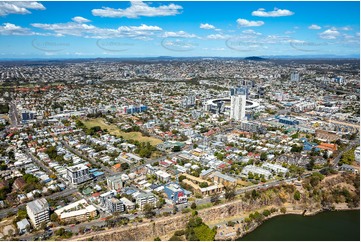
[253,127]
[295,77]
[288,120]
[78,174]
[38,212]
[238,107]
[135,109]
[27,115]
[189,101]
[234,91]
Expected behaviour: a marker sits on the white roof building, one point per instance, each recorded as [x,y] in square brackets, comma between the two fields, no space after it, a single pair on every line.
[256,170]
[76,209]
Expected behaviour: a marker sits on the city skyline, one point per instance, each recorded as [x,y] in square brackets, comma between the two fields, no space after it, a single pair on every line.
[150,29]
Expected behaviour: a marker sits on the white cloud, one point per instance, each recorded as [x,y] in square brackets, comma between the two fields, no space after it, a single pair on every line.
[207,26]
[91,31]
[215,49]
[347,36]
[12,29]
[346,28]
[330,34]
[137,9]
[314,26]
[217,36]
[181,34]
[251,32]
[275,13]
[290,32]
[247,23]
[7,8]
[79,19]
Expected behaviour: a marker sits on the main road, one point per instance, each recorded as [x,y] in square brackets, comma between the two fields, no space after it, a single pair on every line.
[62,194]
[13,112]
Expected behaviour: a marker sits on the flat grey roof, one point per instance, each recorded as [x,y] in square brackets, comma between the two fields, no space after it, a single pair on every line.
[38,206]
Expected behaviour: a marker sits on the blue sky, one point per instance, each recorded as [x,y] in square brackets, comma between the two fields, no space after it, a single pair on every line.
[145,29]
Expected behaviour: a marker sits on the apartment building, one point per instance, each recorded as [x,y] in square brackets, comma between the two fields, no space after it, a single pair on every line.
[78,174]
[38,212]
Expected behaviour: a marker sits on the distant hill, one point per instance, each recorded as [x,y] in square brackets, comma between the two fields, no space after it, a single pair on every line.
[255,58]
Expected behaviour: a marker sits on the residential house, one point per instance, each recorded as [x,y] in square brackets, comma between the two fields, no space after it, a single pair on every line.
[23,226]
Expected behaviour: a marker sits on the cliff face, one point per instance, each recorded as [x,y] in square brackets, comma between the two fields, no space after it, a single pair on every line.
[165,226]
[275,197]
[146,231]
[221,212]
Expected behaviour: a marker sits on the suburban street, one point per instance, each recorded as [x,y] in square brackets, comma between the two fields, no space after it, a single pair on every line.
[13,113]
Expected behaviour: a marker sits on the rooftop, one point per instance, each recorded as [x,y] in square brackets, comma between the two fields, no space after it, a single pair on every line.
[38,206]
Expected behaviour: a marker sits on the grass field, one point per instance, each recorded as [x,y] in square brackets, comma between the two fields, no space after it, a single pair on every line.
[114,130]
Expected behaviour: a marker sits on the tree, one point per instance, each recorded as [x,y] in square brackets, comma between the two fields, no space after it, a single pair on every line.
[266,213]
[203,184]
[283,210]
[176,148]
[181,178]
[296,148]
[230,193]
[297,195]
[148,210]
[124,166]
[175,238]
[54,217]
[21,214]
[175,209]
[263,156]
[215,199]
[60,232]
[231,223]
[194,205]
[43,225]
[11,232]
